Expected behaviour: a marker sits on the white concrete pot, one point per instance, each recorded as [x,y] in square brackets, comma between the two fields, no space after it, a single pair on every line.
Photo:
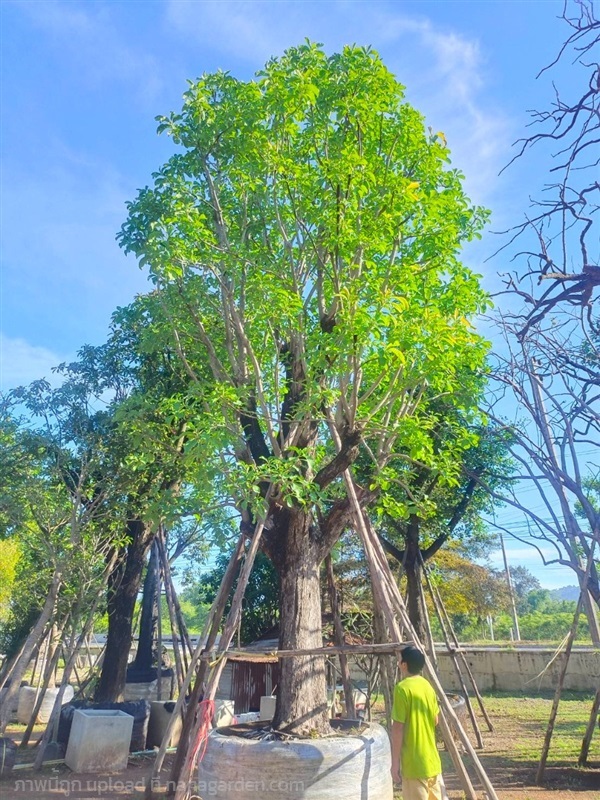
[99,740]
[351,767]
[223,713]
[27,699]
[267,707]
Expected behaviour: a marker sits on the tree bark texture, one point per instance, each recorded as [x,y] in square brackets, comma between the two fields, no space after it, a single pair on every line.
[412,569]
[123,587]
[143,657]
[302,692]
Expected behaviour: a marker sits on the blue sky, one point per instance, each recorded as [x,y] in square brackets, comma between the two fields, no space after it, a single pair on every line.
[83,81]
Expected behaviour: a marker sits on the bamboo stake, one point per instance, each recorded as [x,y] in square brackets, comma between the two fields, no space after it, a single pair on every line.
[168,579]
[581,604]
[179,671]
[75,665]
[428,633]
[454,658]
[8,665]
[182,781]
[55,714]
[96,668]
[550,729]
[339,639]
[185,636]
[387,592]
[75,617]
[89,656]
[43,646]
[458,650]
[206,640]
[158,627]
[47,676]
[387,648]
[385,586]
[34,638]
[387,671]
[589,731]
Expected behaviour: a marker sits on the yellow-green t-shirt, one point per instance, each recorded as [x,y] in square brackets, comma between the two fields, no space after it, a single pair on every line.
[416,706]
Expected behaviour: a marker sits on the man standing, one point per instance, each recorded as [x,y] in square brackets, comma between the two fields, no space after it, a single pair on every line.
[414,716]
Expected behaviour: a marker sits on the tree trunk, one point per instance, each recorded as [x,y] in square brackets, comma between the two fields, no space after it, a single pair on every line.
[302,691]
[123,587]
[143,657]
[412,569]
[591,612]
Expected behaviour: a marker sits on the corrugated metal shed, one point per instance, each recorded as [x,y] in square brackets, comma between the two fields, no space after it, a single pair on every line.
[251,680]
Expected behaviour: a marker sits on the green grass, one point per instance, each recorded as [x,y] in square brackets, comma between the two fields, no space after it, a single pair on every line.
[526,718]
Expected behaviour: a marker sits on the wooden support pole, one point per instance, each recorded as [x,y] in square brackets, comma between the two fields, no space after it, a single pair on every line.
[33,640]
[182,780]
[92,674]
[453,656]
[205,641]
[465,663]
[168,578]
[51,663]
[388,665]
[387,593]
[163,561]
[589,731]
[158,625]
[339,639]
[557,694]
[43,647]
[385,648]
[386,590]
[74,651]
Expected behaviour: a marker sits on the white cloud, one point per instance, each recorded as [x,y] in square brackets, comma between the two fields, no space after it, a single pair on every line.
[253,31]
[444,70]
[22,362]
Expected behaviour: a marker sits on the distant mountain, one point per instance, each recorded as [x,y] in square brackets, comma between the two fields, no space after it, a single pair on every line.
[565,593]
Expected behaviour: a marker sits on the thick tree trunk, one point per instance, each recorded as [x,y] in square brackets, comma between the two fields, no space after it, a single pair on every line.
[123,587]
[143,657]
[302,691]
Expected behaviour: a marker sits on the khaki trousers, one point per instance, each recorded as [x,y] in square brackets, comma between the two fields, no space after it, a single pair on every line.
[423,788]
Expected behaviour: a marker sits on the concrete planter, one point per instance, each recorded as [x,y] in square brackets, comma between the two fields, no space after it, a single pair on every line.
[8,755]
[223,713]
[352,767]
[267,707]
[27,698]
[99,741]
[160,716]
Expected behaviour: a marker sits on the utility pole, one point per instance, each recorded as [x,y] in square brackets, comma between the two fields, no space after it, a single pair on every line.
[511,592]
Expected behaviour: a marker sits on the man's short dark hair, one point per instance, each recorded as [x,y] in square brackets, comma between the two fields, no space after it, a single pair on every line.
[413,658]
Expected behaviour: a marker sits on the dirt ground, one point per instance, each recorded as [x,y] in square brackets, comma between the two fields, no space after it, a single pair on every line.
[510,757]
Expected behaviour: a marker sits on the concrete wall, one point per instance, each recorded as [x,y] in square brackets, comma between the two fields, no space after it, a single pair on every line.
[523,669]
[527,669]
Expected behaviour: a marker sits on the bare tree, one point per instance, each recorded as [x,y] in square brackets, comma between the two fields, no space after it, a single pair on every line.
[556,445]
[562,245]
[547,361]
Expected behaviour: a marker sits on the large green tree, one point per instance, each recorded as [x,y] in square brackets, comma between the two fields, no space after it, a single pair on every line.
[305,240]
